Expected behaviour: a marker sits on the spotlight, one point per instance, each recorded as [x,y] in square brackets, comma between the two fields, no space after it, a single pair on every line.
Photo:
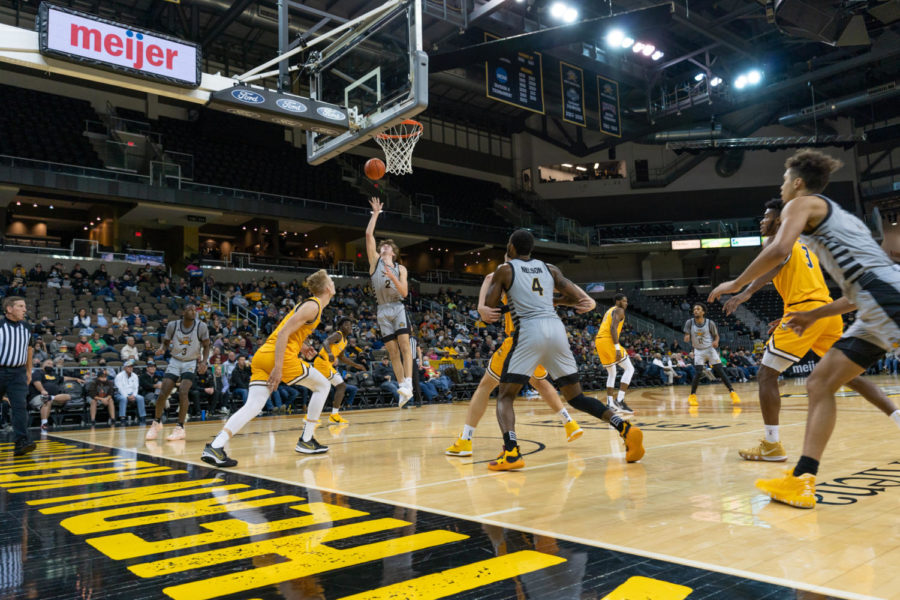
[566,165]
[615,37]
[741,82]
[558,10]
[699,76]
[715,81]
[597,165]
[638,46]
[51,207]
[627,42]
[658,55]
[754,77]
[570,16]
[18,203]
[648,49]
[34,205]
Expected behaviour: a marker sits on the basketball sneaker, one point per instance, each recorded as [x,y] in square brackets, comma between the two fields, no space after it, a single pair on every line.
[692,400]
[622,407]
[768,451]
[573,431]
[460,447]
[177,434]
[405,394]
[217,457]
[735,399]
[310,447]
[634,438]
[796,491]
[507,461]
[337,418]
[154,432]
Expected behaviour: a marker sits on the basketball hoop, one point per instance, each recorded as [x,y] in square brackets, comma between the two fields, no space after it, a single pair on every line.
[398,143]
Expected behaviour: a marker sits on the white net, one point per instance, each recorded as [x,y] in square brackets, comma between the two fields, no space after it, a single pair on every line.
[398,143]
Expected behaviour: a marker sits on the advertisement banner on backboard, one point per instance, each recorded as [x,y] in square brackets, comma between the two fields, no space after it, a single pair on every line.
[516,79]
[79,37]
[608,97]
[571,82]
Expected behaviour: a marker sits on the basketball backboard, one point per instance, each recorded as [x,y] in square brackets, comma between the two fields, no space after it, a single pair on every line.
[378,72]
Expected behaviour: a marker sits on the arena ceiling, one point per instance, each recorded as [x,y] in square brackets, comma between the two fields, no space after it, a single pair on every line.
[720,37]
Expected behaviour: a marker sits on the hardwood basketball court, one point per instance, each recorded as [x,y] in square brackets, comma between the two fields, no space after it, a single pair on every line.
[688,511]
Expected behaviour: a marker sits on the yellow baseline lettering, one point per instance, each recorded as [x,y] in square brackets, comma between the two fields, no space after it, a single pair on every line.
[54,484]
[127,545]
[133,495]
[305,555]
[13,480]
[461,579]
[6,473]
[56,462]
[165,512]
[645,587]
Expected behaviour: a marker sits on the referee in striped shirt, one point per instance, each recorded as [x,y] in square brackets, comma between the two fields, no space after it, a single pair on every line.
[16,349]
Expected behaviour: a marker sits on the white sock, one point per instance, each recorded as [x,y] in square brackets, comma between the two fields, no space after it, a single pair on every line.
[468,432]
[407,383]
[256,399]
[621,395]
[564,415]
[43,421]
[335,411]
[772,433]
[308,430]
[895,417]
[609,399]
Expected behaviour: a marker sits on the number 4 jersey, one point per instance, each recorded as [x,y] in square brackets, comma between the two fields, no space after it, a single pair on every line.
[531,292]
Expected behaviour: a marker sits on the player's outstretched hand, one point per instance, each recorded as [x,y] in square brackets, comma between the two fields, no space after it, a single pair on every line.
[734,302]
[488,314]
[727,287]
[799,322]
[376,205]
[274,379]
[772,326]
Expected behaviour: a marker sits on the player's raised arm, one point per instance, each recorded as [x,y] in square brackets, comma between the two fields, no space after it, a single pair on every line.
[371,249]
[500,282]
[583,303]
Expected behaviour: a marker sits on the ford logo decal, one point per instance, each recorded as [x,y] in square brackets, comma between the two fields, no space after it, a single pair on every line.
[291,105]
[248,97]
[331,113]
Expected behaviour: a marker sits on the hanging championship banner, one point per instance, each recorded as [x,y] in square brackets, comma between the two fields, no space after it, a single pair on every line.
[608,96]
[571,82]
[515,79]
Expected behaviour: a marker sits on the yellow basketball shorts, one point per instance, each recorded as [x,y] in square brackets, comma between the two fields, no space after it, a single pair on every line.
[606,350]
[821,335]
[293,370]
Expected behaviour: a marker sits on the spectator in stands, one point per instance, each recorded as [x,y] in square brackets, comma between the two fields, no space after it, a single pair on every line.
[127,387]
[148,352]
[45,386]
[99,346]
[149,383]
[128,283]
[78,272]
[83,348]
[136,318]
[162,291]
[63,354]
[56,342]
[104,290]
[37,274]
[101,390]
[100,274]
[45,325]
[130,351]
[239,383]
[19,271]
[82,320]
[100,318]
[40,353]
[55,277]
[120,319]
[16,287]
[383,375]
[207,389]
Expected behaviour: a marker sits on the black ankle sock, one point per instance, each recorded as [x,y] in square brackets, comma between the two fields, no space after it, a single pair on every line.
[180,424]
[806,465]
[617,422]
[509,441]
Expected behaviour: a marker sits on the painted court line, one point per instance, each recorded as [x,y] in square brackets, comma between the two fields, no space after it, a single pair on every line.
[499,512]
[578,540]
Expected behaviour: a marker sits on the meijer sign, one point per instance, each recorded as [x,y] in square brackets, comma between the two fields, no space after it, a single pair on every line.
[80,37]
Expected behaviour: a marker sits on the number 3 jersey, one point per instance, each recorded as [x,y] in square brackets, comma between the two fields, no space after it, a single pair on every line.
[186,345]
[800,280]
[530,294]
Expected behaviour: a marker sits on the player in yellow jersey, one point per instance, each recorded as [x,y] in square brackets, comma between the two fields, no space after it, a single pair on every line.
[333,351]
[278,360]
[801,285]
[612,355]
[491,379]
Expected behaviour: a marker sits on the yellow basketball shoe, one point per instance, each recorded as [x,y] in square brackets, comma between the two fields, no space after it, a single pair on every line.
[507,461]
[692,400]
[634,442]
[735,399]
[768,451]
[460,447]
[573,431]
[337,419]
[796,491]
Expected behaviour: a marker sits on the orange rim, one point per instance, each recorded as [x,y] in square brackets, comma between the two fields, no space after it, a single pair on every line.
[403,136]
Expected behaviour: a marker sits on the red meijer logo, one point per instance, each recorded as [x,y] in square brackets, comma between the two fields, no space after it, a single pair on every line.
[132,46]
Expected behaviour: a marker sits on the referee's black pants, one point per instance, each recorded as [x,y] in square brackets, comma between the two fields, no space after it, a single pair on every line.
[13,384]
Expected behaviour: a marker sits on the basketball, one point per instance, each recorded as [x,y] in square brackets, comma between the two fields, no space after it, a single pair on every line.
[374,168]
